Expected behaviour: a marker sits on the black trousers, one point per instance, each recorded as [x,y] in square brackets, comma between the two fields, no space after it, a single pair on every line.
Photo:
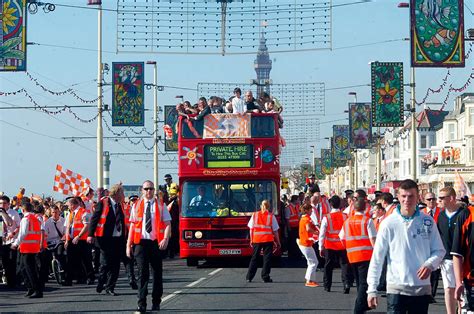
[129,264]
[403,304]
[360,272]
[43,259]
[9,257]
[147,254]
[321,260]
[111,251]
[29,269]
[332,258]
[79,260]
[96,257]
[293,250]
[434,279]
[267,248]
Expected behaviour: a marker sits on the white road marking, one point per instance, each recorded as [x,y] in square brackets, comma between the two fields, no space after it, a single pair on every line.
[169,296]
[215,272]
[192,284]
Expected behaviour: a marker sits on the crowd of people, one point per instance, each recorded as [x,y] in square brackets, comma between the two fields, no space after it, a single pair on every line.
[90,237]
[235,104]
[395,246]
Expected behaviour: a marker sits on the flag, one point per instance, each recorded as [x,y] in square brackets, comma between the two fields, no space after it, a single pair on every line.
[227,126]
[70,183]
[460,186]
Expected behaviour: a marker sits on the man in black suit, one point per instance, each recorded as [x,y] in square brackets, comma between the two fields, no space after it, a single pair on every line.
[108,226]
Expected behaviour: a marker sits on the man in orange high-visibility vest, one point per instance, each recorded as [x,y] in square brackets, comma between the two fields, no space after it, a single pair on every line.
[30,244]
[331,247]
[292,217]
[263,233]
[108,226]
[78,251]
[359,235]
[149,234]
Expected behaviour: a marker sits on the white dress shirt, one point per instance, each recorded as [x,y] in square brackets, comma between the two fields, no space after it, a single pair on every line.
[16,220]
[165,217]
[371,231]
[238,105]
[324,225]
[51,232]
[116,233]
[23,229]
[275,226]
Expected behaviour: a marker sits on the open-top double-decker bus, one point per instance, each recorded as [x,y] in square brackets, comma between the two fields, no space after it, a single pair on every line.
[228,164]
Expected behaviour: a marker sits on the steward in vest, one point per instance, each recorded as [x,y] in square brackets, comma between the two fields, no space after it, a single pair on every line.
[357,195]
[292,215]
[263,233]
[108,227]
[148,237]
[305,243]
[42,258]
[29,243]
[78,251]
[434,211]
[320,208]
[358,235]
[331,247]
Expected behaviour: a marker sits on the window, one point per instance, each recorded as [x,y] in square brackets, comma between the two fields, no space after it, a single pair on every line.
[263,126]
[423,143]
[409,166]
[192,129]
[471,150]
[432,140]
[227,198]
[451,132]
[396,150]
[471,117]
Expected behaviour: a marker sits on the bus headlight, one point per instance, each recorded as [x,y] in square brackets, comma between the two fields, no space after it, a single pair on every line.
[198,234]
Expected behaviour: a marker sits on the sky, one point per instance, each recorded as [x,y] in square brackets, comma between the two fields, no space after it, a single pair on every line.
[65,55]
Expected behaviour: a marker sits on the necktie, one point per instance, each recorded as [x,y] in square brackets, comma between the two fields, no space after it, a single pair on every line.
[148,226]
[118,225]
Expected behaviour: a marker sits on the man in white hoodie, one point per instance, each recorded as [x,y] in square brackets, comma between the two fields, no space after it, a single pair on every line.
[411,242]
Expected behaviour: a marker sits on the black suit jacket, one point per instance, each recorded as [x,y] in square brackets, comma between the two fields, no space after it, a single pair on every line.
[109,220]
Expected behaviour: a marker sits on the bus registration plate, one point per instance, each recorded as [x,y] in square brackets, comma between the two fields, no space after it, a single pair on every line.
[230,252]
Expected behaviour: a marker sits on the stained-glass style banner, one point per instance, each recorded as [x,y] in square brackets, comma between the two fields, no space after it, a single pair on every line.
[341,144]
[360,125]
[171,129]
[13,35]
[326,161]
[437,33]
[318,171]
[128,94]
[387,94]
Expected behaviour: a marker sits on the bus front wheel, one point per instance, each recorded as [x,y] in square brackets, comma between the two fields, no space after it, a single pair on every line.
[192,262]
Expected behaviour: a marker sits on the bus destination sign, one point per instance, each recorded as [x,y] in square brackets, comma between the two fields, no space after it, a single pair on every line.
[228,156]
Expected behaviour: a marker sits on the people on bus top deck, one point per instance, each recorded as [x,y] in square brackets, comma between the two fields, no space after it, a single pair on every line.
[238,105]
[250,103]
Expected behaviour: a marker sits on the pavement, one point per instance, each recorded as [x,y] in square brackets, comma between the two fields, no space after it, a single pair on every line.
[215,286]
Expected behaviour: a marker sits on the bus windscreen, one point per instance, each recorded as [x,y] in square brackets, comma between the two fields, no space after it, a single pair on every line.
[226,198]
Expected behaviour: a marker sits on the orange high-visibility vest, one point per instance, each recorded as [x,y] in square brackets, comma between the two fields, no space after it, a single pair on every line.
[32,241]
[262,227]
[77,224]
[135,232]
[304,235]
[335,224]
[378,221]
[99,231]
[358,245]
[45,236]
[390,209]
[126,214]
[294,217]
[352,211]
[436,215]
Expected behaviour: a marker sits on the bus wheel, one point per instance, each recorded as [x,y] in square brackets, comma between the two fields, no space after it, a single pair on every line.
[192,262]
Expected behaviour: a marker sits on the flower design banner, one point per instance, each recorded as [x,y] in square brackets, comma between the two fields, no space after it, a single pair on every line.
[437,33]
[387,94]
[128,94]
[318,170]
[326,161]
[13,35]
[360,127]
[341,144]
[171,129]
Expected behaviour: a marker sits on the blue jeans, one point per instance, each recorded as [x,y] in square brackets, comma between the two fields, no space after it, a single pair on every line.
[404,304]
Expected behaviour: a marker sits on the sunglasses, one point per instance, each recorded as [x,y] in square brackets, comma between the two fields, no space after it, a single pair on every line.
[431,199]
[148,189]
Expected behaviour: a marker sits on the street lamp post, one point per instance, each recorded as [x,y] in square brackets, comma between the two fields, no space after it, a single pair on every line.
[312,161]
[155,122]
[413,124]
[328,177]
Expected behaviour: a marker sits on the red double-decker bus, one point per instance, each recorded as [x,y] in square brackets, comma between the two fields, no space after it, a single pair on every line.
[228,164]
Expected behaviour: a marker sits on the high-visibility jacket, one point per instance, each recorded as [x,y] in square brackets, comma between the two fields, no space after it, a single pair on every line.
[294,217]
[75,221]
[135,232]
[335,223]
[357,241]
[378,221]
[304,235]
[99,231]
[262,230]
[126,207]
[436,214]
[352,210]
[31,243]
